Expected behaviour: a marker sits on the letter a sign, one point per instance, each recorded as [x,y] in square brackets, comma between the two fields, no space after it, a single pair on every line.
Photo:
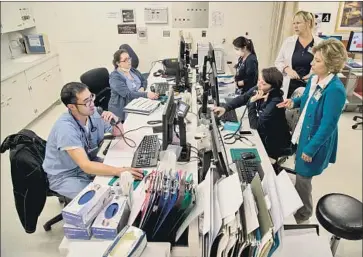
[326,17]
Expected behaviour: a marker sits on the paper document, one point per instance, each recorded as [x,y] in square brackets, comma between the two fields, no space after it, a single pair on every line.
[138,197]
[250,210]
[198,208]
[289,198]
[229,195]
[217,216]
[269,187]
[207,203]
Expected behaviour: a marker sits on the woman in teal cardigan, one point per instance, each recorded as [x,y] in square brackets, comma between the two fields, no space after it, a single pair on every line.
[316,133]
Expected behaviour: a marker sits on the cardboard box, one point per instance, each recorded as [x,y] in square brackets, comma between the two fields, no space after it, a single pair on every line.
[84,208]
[112,219]
[73,232]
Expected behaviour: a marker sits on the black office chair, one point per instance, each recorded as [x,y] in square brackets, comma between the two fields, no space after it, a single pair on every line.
[355,118]
[340,215]
[27,153]
[135,58]
[62,200]
[292,117]
[98,82]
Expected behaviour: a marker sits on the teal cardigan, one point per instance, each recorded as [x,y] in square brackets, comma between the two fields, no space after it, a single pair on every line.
[319,133]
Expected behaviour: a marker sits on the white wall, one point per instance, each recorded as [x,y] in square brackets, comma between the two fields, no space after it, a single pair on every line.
[327,28]
[86,39]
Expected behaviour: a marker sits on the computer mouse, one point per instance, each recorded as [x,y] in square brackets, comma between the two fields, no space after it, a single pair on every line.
[152,89]
[248,156]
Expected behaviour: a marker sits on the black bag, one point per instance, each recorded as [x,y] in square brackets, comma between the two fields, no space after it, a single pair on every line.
[30,184]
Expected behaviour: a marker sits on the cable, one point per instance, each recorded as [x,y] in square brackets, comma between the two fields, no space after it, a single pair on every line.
[131,130]
[127,139]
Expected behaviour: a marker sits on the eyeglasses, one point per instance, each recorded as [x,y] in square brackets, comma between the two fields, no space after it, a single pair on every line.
[129,59]
[88,102]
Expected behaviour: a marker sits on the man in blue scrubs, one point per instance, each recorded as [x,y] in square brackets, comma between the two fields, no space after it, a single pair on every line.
[71,160]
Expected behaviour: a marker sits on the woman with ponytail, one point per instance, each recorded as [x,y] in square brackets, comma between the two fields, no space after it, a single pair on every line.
[247,66]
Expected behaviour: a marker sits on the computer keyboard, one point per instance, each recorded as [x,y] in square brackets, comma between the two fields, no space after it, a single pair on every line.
[161,88]
[355,65]
[147,153]
[247,170]
[230,116]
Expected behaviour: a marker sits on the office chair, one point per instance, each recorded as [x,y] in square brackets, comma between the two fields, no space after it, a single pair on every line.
[62,200]
[30,183]
[292,117]
[98,82]
[135,58]
[355,118]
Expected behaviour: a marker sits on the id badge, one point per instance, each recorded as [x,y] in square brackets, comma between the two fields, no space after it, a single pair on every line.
[317,95]
[310,50]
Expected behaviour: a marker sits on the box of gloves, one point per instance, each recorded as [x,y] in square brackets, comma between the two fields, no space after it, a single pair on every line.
[73,232]
[112,219]
[84,208]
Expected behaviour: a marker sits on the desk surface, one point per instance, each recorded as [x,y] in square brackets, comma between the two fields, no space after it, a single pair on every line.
[120,154]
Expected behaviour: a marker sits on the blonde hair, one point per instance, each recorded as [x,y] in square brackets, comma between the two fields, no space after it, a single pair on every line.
[334,54]
[307,17]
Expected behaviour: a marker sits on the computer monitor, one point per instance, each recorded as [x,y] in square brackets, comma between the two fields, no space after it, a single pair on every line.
[327,37]
[355,42]
[219,154]
[168,120]
[182,48]
[213,81]
[211,54]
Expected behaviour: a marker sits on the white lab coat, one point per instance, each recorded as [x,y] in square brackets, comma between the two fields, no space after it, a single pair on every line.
[285,59]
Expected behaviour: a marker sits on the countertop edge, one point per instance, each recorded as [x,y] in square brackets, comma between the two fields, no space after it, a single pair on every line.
[30,65]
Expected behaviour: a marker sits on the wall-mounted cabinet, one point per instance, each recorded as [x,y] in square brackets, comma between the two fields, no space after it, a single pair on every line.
[16,16]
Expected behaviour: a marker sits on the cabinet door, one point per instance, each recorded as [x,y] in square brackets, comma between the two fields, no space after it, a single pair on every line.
[54,84]
[10,17]
[45,89]
[39,93]
[26,13]
[16,105]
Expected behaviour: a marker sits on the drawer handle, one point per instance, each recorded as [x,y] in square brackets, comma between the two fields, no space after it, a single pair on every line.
[9,98]
[30,88]
[19,25]
[14,81]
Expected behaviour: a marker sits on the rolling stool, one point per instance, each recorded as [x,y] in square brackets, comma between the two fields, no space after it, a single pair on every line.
[340,215]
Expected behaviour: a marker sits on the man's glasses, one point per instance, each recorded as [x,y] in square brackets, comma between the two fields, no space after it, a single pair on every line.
[129,59]
[88,101]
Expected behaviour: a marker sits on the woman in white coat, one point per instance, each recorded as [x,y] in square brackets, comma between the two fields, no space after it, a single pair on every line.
[295,56]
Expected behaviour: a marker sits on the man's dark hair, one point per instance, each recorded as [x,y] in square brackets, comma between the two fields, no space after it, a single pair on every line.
[273,77]
[69,92]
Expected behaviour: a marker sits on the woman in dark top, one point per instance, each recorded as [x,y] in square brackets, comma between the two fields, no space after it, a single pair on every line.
[263,114]
[295,56]
[247,66]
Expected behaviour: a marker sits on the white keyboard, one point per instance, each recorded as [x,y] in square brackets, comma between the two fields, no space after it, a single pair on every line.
[142,106]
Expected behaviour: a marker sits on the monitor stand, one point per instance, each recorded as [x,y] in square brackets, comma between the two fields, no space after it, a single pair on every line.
[186,147]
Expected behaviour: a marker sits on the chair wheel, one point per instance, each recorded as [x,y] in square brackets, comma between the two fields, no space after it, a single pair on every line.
[47,228]
[355,118]
[61,200]
[354,126]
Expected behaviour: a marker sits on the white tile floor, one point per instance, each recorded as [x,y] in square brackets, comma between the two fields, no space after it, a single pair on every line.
[345,177]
